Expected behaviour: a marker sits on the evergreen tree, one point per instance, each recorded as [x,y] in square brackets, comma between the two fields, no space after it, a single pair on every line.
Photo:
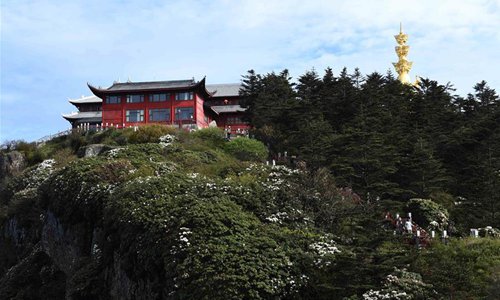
[336,99]
[269,101]
[383,138]
[251,87]
[477,160]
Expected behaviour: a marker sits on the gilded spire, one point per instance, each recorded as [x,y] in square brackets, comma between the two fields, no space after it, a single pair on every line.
[403,65]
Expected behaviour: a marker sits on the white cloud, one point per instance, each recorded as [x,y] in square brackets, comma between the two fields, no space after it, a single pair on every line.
[63,44]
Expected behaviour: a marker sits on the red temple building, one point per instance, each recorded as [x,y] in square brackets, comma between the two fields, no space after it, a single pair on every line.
[89,111]
[184,103]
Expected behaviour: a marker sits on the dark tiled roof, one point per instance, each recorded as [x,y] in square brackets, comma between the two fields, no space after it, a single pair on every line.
[87,99]
[220,109]
[224,90]
[83,115]
[151,85]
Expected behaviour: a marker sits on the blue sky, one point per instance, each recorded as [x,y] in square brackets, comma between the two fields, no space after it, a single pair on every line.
[51,49]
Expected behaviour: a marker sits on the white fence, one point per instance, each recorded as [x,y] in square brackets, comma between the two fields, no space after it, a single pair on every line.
[51,136]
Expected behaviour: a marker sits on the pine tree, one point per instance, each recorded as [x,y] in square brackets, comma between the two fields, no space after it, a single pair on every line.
[251,87]
[271,106]
[336,99]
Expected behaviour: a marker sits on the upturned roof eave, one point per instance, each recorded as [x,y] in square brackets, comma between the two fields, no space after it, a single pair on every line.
[78,101]
[198,86]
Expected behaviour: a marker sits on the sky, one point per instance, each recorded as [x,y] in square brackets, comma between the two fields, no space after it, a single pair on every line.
[50,49]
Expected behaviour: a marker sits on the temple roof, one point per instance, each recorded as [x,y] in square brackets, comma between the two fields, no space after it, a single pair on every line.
[83,115]
[151,85]
[86,99]
[138,87]
[224,90]
[220,109]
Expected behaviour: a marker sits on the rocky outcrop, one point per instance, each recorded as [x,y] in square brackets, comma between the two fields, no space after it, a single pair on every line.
[11,163]
[93,150]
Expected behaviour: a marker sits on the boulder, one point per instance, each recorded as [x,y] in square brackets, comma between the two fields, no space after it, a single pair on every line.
[11,163]
[93,150]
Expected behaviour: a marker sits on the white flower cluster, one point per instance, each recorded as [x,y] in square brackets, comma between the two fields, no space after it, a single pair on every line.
[295,283]
[323,248]
[89,191]
[460,200]
[37,176]
[113,152]
[46,164]
[142,180]
[274,182]
[193,175]
[256,167]
[167,140]
[183,236]
[286,171]
[392,295]
[163,168]
[290,215]
[278,217]
[277,178]
[214,186]
[277,284]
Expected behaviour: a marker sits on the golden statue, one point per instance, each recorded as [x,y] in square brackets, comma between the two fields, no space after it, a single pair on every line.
[403,65]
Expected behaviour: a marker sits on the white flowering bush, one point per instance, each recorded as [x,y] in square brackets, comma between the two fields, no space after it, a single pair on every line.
[402,285]
[167,140]
[35,177]
[428,214]
[279,178]
[324,251]
[390,295]
[113,152]
[489,231]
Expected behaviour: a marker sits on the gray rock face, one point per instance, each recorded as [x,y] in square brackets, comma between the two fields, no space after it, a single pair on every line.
[11,163]
[92,150]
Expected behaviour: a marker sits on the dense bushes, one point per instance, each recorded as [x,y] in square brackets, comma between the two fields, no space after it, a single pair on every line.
[213,136]
[463,269]
[247,149]
[185,218]
[148,134]
[31,152]
[428,214]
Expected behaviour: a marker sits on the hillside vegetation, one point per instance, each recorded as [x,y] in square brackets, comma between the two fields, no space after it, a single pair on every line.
[389,142]
[165,214]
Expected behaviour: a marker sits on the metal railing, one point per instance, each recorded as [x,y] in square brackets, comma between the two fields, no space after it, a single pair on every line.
[52,136]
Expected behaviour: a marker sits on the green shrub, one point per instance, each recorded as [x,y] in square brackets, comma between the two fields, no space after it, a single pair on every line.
[213,136]
[64,157]
[75,140]
[463,269]
[247,149]
[149,134]
[428,214]
[25,205]
[23,201]
[32,153]
[25,147]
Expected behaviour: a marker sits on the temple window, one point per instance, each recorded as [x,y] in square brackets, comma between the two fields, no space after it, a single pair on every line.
[184,113]
[113,99]
[159,97]
[135,98]
[234,120]
[158,115]
[184,96]
[136,115]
